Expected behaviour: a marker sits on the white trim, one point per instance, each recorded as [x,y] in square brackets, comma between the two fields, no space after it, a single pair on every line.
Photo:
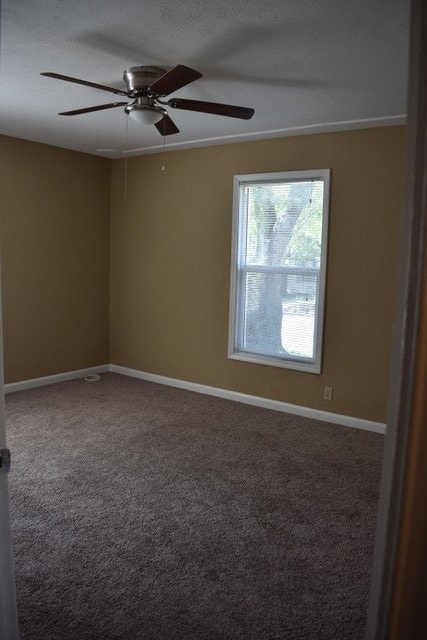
[59,377]
[226,394]
[326,127]
[266,403]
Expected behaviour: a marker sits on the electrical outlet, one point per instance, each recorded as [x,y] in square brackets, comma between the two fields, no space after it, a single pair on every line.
[327,393]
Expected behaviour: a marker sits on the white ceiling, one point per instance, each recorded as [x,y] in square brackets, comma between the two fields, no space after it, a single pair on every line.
[303,65]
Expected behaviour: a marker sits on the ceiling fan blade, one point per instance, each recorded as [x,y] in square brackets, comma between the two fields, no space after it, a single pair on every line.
[58,76]
[212,107]
[166,126]
[100,107]
[174,79]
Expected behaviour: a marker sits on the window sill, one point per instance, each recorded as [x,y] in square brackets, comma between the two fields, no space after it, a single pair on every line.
[296,365]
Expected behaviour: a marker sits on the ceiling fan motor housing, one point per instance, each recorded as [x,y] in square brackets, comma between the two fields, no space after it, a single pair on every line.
[138,79]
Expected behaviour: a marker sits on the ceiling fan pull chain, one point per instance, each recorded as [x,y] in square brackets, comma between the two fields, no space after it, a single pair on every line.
[163,167]
[125,194]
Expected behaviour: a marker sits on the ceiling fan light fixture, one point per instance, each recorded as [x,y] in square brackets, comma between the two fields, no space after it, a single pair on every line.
[144,114]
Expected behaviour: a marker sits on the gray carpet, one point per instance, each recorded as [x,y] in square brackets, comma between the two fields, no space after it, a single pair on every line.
[146,512]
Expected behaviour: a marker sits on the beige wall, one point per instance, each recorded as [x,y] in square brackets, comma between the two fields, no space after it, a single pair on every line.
[170,263]
[54,226]
[170,266]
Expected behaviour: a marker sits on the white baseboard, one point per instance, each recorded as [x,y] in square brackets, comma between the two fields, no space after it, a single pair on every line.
[266,403]
[59,377]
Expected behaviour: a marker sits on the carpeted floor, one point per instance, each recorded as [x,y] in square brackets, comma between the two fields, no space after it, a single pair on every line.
[144,512]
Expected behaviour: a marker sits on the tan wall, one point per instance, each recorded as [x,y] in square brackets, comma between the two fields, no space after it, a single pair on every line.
[170,266]
[54,226]
[170,263]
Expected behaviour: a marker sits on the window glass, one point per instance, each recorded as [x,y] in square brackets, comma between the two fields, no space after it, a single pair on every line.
[279,260]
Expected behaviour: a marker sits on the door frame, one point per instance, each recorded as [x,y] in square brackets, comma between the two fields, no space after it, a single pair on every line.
[8,613]
[399,576]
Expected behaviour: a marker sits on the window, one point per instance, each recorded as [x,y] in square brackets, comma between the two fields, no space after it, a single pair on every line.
[278,268]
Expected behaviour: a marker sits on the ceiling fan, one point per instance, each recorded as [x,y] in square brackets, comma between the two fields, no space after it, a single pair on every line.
[146,86]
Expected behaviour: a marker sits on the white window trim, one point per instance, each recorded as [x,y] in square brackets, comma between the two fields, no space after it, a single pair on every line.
[310,365]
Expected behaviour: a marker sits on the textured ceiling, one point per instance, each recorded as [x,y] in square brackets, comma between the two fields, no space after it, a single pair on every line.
[301,64]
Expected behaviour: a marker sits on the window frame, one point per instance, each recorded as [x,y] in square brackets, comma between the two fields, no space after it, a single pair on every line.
[238,243]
